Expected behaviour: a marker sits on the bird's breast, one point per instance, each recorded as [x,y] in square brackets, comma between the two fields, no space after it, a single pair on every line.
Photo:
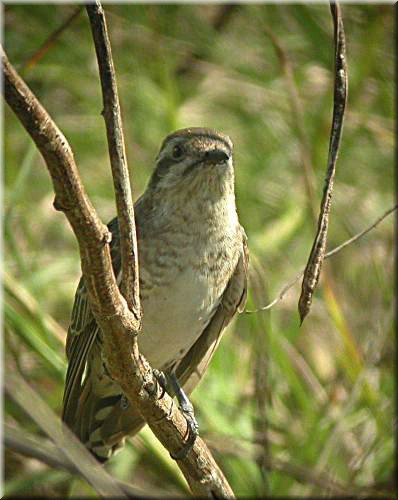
[182,282]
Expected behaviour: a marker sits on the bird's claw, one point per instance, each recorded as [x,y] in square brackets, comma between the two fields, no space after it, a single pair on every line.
[161,378]
[193,433]
[187,410]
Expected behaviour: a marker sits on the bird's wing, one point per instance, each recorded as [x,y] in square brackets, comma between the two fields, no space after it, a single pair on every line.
[82,333]
[193,365]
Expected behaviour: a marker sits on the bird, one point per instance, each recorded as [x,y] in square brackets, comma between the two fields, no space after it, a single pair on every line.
[193,268]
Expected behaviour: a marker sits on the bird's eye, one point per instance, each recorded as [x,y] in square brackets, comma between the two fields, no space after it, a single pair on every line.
[178,152]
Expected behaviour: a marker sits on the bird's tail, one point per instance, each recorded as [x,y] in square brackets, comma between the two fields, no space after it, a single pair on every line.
[101,416]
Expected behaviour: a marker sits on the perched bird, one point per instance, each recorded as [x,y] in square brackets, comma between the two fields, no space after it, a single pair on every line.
[193,279]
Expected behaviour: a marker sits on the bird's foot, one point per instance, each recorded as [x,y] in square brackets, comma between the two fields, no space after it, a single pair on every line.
[188,412]
[161,379]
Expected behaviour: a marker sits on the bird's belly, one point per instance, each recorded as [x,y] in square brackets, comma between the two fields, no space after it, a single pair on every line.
[174,316]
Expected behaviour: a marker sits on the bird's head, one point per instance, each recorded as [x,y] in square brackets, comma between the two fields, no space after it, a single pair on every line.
[196,158]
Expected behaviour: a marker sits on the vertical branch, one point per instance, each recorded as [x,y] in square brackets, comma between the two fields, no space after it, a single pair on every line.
[117,154]
[218,24]
[314,264]
[262,329]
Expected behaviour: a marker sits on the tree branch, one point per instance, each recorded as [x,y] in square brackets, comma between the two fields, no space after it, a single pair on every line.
[315,260]
[117,322]
[117,155]
[335,250]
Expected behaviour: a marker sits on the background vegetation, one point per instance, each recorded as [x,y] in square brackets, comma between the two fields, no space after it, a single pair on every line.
[286,410]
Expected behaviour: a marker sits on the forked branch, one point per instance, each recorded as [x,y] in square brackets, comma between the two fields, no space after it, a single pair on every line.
[118,324]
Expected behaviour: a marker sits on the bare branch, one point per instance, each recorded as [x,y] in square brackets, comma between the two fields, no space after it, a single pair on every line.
[117,154]
[125,205]
[335,250]
[314,264]
[362,233]
[109,307]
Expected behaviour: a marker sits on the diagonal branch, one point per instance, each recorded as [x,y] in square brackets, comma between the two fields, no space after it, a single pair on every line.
[315,261]
[117,322]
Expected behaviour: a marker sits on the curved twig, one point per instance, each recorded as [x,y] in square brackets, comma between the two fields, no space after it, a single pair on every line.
[315,260]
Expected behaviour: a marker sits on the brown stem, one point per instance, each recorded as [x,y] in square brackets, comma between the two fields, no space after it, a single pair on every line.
[298,120]
[220,21]
[29,445]
[317,254]
[117,154]
[66,442]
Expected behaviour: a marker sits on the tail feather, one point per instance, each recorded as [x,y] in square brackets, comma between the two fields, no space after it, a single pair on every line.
[103,420]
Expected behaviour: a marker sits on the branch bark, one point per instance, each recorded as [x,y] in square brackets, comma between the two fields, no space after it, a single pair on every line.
[51,40]
[315,260]
[117,155]
[110,309]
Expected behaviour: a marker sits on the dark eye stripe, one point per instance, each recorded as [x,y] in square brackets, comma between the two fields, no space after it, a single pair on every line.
[160,168]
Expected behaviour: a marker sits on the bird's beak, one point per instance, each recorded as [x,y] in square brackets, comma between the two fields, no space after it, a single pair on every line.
[216,156]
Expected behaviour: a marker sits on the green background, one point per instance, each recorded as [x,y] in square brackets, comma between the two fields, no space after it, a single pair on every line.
[286,410]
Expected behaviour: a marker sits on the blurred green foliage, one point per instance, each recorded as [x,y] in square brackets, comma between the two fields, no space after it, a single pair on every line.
[286,410]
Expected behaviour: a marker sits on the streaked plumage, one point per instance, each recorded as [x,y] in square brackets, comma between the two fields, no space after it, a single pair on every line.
[193,271]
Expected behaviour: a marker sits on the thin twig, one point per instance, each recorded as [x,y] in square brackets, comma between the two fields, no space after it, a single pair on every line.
[118,159]
[51,40]
[208,478]
[335,250]
[362,233]
[262,391]
[314,264]
[24,443]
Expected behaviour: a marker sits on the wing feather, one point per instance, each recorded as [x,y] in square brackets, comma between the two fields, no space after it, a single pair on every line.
[82,332]
[193,365]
